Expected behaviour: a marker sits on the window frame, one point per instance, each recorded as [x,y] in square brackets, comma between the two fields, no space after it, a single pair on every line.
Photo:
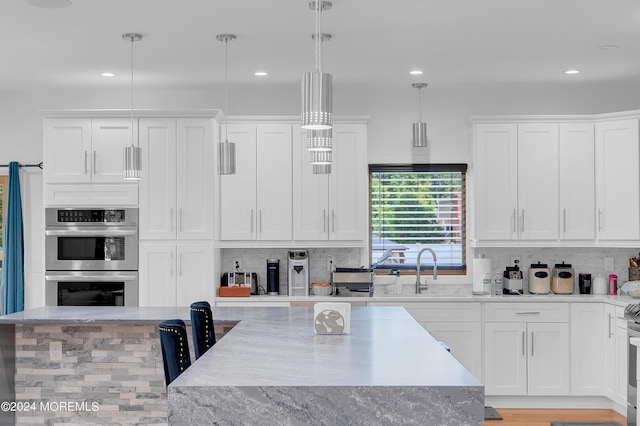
[410,269]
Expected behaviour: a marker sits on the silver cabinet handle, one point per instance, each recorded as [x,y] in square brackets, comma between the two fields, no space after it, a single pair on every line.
[171,219]
[251,221]
[180,217]
[522,222]
[564,219]
[180,265]
[171,266]
[86,170]
[610,328]
[599,219]
[532,343]
[523,339]
[260,220]
[513,221]
[94,162]
[528,313]
[333,220]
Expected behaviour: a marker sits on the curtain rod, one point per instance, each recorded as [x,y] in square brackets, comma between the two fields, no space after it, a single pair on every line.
[40,165]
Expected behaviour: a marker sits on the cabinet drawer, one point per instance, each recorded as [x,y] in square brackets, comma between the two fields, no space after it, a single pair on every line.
[429,312]
[526,312]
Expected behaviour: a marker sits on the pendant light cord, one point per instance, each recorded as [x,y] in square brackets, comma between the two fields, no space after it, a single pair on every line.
[132,90]
[318,36]
[419,104]
[226,90]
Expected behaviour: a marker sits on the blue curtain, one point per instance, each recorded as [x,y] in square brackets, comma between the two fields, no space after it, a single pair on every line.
[13,262]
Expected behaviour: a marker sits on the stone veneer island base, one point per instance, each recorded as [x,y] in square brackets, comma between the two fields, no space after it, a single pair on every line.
[269,369]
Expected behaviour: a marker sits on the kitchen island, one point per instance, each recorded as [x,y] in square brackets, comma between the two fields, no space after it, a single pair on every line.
[269,369]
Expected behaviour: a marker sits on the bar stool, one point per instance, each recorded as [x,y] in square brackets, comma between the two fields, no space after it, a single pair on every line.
[444,345]
[175,348]
[204,335]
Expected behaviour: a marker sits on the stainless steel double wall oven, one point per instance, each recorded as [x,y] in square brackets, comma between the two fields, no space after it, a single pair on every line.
[91,256]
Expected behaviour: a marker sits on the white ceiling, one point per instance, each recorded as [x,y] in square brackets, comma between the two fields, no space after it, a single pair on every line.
[458,43]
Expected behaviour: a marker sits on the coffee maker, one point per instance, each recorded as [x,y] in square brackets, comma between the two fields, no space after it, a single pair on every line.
[298,272]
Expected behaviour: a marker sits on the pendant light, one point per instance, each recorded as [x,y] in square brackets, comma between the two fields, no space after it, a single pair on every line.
[317,86]
[226,149]
[132,153]
[419,128]
[320,140]
[321,169]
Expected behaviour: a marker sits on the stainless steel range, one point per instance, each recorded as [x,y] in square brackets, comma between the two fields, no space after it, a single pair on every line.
[91,256]
[632,314]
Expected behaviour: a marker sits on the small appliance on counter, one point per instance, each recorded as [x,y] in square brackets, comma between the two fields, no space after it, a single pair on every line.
[539,278]
[352,281]
[298,272]
[600,285]
[563,279]
[241,279]
[512,281]
[273,277]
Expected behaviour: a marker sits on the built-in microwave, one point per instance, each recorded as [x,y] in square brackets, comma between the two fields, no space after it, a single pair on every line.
[92,239]
[91,288]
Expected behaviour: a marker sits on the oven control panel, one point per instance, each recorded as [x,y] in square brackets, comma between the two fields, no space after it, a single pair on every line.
[91,216]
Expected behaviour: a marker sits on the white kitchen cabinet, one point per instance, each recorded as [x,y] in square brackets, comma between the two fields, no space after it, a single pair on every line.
[176,274]
[588,330]
[177,188]
[526,349]
[576,165]
[457,325]
[616,354]
[332,206]
[255,202]
[617,159]
[85,150]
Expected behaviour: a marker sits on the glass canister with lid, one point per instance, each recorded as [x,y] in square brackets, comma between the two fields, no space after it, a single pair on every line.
[539,278]
[562,279]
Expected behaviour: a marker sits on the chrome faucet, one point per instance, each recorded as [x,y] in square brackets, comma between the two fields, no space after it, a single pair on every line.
[419,286]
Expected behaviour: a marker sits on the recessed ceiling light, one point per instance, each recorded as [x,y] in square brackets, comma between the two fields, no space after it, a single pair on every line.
[107,74]
[572,71]
[415,72]
[608,47]
[260,73]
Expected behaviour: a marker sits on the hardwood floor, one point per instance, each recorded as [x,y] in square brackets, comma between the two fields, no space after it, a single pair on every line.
[544,417]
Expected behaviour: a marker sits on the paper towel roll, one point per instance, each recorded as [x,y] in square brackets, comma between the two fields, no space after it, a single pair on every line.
[481,267]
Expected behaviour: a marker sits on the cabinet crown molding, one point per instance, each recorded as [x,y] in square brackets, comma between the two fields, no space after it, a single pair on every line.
[563,118]
[137,113]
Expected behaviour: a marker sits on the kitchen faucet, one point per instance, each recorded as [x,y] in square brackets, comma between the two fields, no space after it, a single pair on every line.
[419,286]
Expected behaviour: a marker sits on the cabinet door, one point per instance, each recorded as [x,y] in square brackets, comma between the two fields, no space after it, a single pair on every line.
[617,179]
[157,274]
[348,188]
[548,363]
[310,195]
[195,169]
[195,273]
[109,137]
[273,194]
[465,342]
[576,181]
[588,334]
[67,145]
[622,368]
[538,181]
[505,359]
[611,352]
[238,191]
[496,160]
[158,184]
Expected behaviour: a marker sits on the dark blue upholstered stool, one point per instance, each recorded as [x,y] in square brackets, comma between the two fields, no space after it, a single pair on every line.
[202,327]
[175,348]
[444,345]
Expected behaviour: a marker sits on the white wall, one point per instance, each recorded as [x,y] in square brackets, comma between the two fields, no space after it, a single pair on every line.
[389,132]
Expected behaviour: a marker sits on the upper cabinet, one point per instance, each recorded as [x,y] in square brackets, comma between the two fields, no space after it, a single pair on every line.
[85,150]
[534,183]
[177,188]
[617,158]
[255,202]
[332,206]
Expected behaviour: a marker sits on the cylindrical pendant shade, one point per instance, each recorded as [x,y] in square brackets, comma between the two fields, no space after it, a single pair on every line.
[420,134]
[320,140]
[226,158]
[321,169]
[317,101]
[321,157]
[132,162]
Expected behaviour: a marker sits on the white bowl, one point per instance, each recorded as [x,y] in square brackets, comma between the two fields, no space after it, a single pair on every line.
[322,290]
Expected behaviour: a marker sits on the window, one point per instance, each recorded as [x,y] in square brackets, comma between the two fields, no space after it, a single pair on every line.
[4,189]
[418,206]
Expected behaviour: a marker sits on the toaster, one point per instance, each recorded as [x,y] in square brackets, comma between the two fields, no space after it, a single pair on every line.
[240,279]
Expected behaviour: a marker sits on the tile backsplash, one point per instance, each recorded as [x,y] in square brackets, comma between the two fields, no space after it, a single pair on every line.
[589,260]
[255,260]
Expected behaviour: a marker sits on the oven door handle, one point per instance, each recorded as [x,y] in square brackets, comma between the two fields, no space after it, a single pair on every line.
[91,232]
[87,277]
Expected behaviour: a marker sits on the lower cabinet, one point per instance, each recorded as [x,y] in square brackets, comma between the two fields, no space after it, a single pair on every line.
[176,274]
[526,349]
[456,324]
[616,355]
[588,332]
